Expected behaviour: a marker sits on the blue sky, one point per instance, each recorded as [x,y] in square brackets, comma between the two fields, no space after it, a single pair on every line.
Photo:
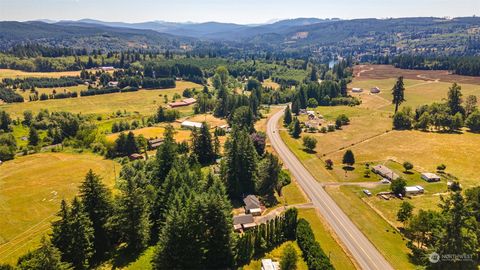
[238,11]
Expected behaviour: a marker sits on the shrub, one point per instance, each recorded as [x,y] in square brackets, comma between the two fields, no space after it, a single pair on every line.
[312,253]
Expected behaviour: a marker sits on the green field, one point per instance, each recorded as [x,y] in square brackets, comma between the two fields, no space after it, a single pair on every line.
[31,189]
[144,102]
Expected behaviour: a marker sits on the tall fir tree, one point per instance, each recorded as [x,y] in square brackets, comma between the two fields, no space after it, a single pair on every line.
[202,145]
[165,157]
[398,93]
[81,249]
[46,257]
[97,203]
[296,129]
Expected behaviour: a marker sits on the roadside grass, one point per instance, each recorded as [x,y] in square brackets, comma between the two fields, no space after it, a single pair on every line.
[292,194]
[324,236]
[12,73]
[31,190]
[144,102]
[384,237]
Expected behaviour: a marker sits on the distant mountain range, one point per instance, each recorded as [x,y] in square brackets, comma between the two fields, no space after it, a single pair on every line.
[360,35]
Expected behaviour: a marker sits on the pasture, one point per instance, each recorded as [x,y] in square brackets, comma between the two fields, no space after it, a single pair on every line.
[371,138]
[30,194]
[11,73]
[144,102]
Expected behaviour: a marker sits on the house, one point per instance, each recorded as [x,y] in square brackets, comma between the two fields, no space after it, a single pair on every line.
[430,177]
[375,90]
[357,90]
[135,157]
[243,222]
[252,205]
[113,84]
[268,264]
[191,125]
[385,172]
[184,102]
[154,143]
[414,190]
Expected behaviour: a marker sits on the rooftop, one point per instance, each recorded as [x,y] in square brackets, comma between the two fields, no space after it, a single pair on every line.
[243,219]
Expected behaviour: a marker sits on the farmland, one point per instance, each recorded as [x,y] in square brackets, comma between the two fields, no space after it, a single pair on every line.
[48,178]
[371,138]
[142,102]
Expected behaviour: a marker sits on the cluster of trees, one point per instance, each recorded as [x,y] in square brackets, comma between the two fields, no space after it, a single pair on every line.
[449,116]
[28,83]
[266,236]
[8,146]
[108,90]
[125,145]
[55,95]
[452,230]
[165,115]
[124,125]
[10,96]
[457,64]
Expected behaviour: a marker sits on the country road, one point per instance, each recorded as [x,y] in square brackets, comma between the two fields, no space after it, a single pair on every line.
[362,250]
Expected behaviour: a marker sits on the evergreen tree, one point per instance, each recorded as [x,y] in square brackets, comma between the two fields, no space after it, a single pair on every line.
[287,118]
[81,230]
[46,257]
[243,118]
[348,158]
[132,214]
[460,235]
[96,201]
[202,145]
[398,92]
[5,121]
[454,99]
[240,167]
[405,212]
[165,157]
[131,146]
[296,129]
[296,106]
[61,232]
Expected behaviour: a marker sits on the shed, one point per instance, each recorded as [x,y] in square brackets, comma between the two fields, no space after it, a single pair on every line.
[184,102]
[430,177]
[414,190]
[243,222]
[191,125]
[155,143]
[385,172]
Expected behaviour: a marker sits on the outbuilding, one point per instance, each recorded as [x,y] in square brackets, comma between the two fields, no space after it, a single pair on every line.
[414,190]
[385,172]
[268,264]
[430,177]
[191,125]
[243,222]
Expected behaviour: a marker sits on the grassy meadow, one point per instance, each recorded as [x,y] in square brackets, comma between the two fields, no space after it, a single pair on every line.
[11,73]
[31,189]
[144,102]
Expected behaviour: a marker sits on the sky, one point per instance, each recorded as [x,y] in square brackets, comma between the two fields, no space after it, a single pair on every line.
[235,11]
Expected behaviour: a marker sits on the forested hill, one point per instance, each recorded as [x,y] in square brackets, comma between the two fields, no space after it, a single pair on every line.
[89,36]
[365,37]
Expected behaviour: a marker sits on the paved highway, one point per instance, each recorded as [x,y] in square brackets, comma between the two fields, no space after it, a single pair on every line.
[363,251]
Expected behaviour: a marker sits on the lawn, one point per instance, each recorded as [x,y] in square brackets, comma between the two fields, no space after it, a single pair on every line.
[30,194]
[276,255]
[144,102]
[26,94]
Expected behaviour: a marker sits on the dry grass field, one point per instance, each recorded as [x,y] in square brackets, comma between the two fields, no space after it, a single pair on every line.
[11,73]
[369,140]
[31,189]
[144,102]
